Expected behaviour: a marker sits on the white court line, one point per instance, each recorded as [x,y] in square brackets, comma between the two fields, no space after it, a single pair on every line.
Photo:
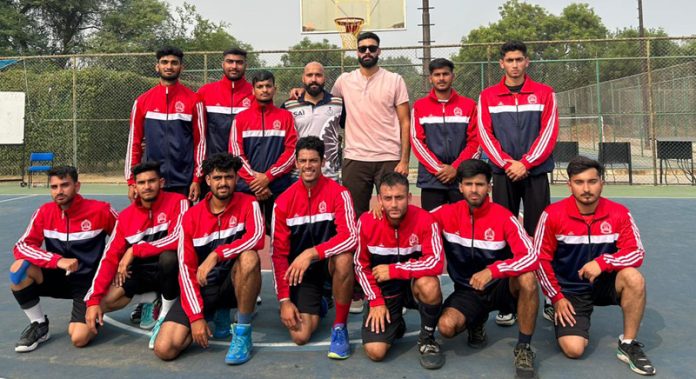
[18,198]
[133,329]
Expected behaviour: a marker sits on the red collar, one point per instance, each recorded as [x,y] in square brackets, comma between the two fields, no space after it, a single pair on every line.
[453,96]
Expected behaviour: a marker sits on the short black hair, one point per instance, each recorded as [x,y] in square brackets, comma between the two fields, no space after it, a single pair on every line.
[62,172]
[235,51]
[368,35]
[310,143]
[222,162]
[581,163]
[392,178]
[440,63]
[145,167]
[262,76]
[170,50]
[472,167]
[513,45]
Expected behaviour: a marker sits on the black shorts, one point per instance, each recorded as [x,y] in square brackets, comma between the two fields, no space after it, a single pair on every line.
[144,277]
[214,297]
[307,295]
[394,304]
[59,286]
[603,293]
[476,306]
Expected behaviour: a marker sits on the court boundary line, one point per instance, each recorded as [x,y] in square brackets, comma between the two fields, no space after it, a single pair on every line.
[17,198]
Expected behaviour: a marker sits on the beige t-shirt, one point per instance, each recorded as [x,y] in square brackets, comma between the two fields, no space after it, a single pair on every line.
[373,133]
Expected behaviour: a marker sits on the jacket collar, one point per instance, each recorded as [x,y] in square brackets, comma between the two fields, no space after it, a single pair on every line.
[209,196]
[239,83]
[572,209]
[325,100]
[321,182]
[76,204]
[259,107]
[156,205]
[479,211]
[501,88]
[453,96]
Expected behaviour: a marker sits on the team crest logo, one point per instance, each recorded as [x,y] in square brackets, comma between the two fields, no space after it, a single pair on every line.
[489,234]
[500,104]
[161,218]
[571,234]
[156,110]
[276,124]
[233,222]
[605,228]
[457,111]
[532,99]
[86,225]
[246,102]
[322,207]
[413,240]
[179,107]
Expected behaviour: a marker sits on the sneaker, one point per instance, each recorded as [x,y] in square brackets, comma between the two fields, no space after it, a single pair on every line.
[340,344]
[147,316]
[258,300]
[431,357]
[222,323]
[549,312]
[477,336]
[32,336]
[153,335]
[356,306]
[505,319]
[524,361]
[135,315]
[240,347]
[632,354]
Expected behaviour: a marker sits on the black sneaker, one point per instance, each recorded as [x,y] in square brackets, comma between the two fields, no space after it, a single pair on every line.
[137,312]
[32,336]
[477,337]
[524,361]
[548,311]
[632,354]
[431,357]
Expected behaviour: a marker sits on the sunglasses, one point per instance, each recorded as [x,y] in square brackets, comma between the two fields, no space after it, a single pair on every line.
[364,49]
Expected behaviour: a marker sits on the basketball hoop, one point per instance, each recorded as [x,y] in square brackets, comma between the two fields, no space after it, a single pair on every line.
[348,29]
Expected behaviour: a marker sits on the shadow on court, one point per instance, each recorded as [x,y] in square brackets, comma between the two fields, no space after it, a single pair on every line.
[120,350]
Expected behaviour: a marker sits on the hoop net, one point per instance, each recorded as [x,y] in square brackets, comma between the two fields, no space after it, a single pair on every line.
[349,28]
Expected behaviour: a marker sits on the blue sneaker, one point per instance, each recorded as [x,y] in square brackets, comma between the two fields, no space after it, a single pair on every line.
[240,348]
[147,316]
[340,345]
[323,307]
[222,324]
[155,331]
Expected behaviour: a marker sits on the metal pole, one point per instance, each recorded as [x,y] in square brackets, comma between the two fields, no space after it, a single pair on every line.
[599,102]
[205,68]
[74,109]
[426,43]
[651,117]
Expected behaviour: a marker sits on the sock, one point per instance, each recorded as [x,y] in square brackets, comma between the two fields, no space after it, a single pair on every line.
[524,338]
[166,306]
[244,318]
[147,297]
[342,311]
[429,314]
[35,314]
[625,340]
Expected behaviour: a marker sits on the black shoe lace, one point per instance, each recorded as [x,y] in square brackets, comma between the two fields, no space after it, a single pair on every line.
[635,350]
[524,357]
[31,331]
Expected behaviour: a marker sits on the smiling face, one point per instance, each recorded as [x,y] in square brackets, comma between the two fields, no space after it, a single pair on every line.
[308,162]
[169,67]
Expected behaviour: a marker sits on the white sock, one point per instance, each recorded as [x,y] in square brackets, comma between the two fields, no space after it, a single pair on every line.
[166,306]
[623,340]
[35,314]
[147,297]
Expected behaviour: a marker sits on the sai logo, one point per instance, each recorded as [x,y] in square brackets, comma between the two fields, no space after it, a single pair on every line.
[246,102]
[233,221]
[161,218]
[458,111]
[86,225]
[276,124]
[179,107]
[489,234]
[532,99]
[413,240]
[605,228]
[322,207]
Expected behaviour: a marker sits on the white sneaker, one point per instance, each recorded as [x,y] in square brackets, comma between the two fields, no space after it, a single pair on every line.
[505,319]
[356,306]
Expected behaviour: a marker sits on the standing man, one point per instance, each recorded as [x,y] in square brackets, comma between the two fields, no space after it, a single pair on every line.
[74,231]
[313,238]
[320,114]
[218,265]
[264,138]
[171,119]
[223,100]
[590,249]
[491,260]
[443,135]
[141,255]
[518,127]
[399,257]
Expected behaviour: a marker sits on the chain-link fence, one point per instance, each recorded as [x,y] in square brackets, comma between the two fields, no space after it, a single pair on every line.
[635,91]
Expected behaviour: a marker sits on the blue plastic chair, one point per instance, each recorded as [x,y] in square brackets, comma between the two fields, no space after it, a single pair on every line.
[39,162]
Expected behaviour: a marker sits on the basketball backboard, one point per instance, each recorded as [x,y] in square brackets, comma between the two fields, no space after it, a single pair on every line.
[317,16]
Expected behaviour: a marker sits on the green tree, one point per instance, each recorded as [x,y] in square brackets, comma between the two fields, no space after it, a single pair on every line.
[18,33]
[131,26]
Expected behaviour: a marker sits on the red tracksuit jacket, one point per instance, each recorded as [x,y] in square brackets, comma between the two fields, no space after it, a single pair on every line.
[149,231]
[322,217]
[412,250]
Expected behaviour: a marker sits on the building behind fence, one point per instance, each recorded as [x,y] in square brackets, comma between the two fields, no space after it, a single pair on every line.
[78,106]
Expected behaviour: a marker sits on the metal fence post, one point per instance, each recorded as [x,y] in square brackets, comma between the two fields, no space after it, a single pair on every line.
[74,109]
[205,68]
[651,114]
[599,103]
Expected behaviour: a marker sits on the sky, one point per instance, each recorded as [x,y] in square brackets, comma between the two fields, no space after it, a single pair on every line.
[275,24]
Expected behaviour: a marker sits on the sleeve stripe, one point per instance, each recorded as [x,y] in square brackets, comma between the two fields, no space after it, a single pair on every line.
[538,239]
[188,292]
[362,278]
[431,261]
[89,293]
[258,234]
[483,133]
[350,241]
[529,258]
[270,249]
[279,169]
[27,250]
[183,206]
[427,158]
[236,150]
[200,150]
[129,151]
[546,135]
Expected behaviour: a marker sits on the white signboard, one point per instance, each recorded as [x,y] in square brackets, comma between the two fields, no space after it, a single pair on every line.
[12,118]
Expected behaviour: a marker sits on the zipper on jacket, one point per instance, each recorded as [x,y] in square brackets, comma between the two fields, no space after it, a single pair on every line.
[166,134]
[263,121]
[398,248]
[232,99]
[589,238]
[471,214]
